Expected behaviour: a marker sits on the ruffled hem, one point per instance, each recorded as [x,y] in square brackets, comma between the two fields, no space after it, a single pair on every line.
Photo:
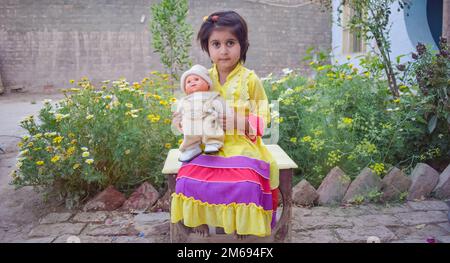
[244,219]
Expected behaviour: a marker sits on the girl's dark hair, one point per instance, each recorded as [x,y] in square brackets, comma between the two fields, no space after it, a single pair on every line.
[228,19]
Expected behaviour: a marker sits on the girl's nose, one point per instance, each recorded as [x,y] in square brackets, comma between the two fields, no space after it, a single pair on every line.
[223,51]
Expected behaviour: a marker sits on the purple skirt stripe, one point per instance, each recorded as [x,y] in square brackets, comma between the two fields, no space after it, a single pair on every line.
[213,161]
[224,193]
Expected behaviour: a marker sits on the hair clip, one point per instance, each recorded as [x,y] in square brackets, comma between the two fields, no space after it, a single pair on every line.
[205,18]
[215,18]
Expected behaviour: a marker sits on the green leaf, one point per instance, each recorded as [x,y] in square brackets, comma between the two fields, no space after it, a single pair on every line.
[397,59]
[432,123]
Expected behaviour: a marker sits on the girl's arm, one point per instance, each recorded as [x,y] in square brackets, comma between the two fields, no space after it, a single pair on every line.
[259,114]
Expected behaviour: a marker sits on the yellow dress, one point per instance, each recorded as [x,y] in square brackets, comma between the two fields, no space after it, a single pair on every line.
[232,189]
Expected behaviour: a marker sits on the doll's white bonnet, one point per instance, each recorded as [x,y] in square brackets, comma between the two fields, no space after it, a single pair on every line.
[197,70]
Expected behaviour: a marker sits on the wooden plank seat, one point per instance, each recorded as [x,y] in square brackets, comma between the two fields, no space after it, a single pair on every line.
[282,231]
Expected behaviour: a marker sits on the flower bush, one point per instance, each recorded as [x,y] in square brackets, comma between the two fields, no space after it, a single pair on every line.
[346,117]
[116,135]
[430,72]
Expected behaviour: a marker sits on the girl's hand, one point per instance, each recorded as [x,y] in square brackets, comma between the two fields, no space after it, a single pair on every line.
[232,121]
[176,121]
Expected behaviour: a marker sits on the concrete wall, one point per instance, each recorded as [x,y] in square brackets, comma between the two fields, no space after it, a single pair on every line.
[44,43]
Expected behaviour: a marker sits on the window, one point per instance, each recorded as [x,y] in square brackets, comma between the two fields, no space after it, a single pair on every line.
[351,43]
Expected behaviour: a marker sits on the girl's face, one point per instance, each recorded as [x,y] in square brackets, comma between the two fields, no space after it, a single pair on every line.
[195,83]
[224,49]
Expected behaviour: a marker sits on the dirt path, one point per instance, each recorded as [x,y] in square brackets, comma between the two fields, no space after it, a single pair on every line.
[20,209]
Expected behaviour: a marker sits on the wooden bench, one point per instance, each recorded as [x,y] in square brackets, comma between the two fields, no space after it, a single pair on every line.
[282,231]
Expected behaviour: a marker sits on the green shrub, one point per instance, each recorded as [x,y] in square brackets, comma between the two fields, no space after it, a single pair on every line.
[117,135]
[346,117]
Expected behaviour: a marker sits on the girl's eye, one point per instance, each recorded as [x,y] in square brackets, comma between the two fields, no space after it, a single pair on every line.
[215,44]
[230,43]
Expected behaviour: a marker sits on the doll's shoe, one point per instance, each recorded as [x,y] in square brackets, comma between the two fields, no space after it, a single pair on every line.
[212,148]
[190,154]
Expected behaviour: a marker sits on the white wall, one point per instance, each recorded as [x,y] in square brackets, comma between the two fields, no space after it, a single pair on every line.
[405,32]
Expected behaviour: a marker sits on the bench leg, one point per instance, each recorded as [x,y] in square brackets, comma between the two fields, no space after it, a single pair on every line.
[178,232]
[282,231]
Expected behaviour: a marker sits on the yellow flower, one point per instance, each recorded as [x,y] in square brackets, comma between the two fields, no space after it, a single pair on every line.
[89,116]
[20,144]
[306,139]
[180,141]
[173,100]
[349,77]
[163,102]
[89,161]
[367,74]
[84,149]
[293,139]
[49,149]
[75,166]
[70,151]
[168,145]
[37,136]
[55,158]
[57,139]
[74,141]
[136,85]
[156,96]
[128,105]
[127,152]
[40,163]
[320,68]
[30,144]
[397,100]
[167,121]
[153,118]
[348,57]
[378,168]
[72,81]
[85,154]
[58,117]
[347,120]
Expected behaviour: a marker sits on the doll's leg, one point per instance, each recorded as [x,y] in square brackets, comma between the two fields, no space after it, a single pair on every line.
[190,148]
[213,135]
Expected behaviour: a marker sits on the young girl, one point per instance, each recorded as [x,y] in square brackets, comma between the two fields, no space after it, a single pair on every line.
[235,189]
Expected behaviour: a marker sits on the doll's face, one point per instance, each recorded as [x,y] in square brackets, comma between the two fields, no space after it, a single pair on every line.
[194,83]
